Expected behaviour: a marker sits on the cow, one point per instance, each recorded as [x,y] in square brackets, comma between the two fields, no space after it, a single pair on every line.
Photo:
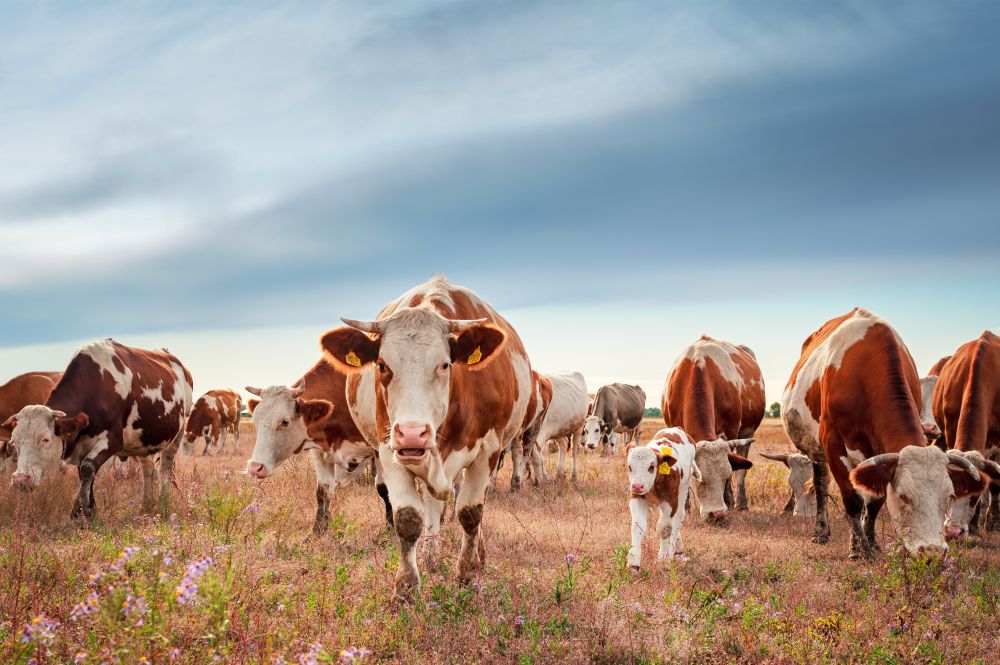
[312,415]
[19,392]
[715,390]
[660,475]
[967,405]
[443,382]
[852,402]
[802,501]
[111,400]
[523,449]
[617,408]
[564,408]
[214,416]
[927,384]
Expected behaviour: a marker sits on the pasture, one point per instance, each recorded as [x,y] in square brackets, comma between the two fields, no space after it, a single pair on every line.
[227,575]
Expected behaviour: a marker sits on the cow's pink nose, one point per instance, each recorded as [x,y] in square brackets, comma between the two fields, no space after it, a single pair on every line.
[952,531]
[636,487]
[412,436]
[257,470]
[20,481]
[931,429]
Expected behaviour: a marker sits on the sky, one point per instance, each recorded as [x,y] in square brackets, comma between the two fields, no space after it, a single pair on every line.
[616,178]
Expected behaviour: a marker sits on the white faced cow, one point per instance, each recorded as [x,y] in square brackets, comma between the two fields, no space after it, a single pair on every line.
[112,400]
[617,408]
[802,501]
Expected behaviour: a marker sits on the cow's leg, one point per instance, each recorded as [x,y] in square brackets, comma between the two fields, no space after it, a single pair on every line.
[670,533]
[561,466]
[327,479]
[433,512]
[821,480]
[993,514]
[408,520]
[222,440]
[85,506]
[470,501]
[740,479]
[639,510]
[574,441]
[871,516]
[382,490]
[516,464]
[977,515]
[167,456]
[790,504]
[150,483]
[537,464]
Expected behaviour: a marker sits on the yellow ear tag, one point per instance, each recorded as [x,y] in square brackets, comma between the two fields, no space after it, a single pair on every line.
[475,356]
[352,359]
[664,466]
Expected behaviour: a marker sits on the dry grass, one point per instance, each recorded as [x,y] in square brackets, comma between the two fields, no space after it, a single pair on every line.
[555,587]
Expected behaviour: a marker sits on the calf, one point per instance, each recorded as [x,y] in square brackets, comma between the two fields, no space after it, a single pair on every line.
[111,400]
[660,476]
[312,415]
[215,414]
[802,501]
[874,444]
[617,408]
[967,405]
[19,392]
[715,390]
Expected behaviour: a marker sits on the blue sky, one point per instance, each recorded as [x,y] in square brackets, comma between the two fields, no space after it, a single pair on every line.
[616,178]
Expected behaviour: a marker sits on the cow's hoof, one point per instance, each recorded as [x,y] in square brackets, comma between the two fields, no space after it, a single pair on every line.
[821,538]
[406,586]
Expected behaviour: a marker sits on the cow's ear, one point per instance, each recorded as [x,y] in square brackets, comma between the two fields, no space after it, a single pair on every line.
[739,463]
[314,410]
[349,349]
[476,346]
[8,426]
[874,478]
[253,404]
[964,484]
[992,469]
[69,427]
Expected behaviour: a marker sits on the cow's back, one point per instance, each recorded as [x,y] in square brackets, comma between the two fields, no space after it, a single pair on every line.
[25,389]
[620,402]
[967,396]
[568,404]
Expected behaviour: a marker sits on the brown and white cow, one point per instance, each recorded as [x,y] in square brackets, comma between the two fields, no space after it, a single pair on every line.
[927,384]
[618,407]
[19,392]
[714,391]
[564,404]
[852,402]
[112,400]
[312,415]
[660,475]
[967,405]
[802,501]
[215,415]
[443,382]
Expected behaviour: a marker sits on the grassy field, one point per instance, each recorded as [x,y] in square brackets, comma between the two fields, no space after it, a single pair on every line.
[227,575]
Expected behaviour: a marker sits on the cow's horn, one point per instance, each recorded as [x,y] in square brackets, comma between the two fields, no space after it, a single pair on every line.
[736,443]
[783,457]
[373,327]
[884,458]
[965,463]
[253,391]
[993,465]
[297,392]
[458,326]
[58,414]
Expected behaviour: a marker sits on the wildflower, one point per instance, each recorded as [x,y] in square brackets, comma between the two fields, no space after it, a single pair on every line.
[253,508]
[281,607]
[126,554]
[135,606]
[353,655]
[174,654]
[86,607]
[501,619]
[311,657]
[432,603]
[929,635]
[682,557]
[41,629]
[519,620]
[571,558]
[80,657]
[188,588]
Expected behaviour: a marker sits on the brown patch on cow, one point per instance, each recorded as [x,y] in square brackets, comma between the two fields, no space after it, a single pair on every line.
[253,404]
[348,349]
[409,526]
[325,382]
[218,410]
[666,488]
[874,478]
[938,366]
[964,484]
[666,435]
[477,347]
[23,390]
[704,404]
[470,517]
[738,462]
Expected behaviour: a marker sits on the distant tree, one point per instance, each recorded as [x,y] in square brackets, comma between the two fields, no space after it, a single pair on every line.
[774,411]
[653,412]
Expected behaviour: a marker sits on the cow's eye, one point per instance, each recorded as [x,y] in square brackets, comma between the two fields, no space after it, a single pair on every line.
[285,422]
[651,468]
[445,366]
[382,367]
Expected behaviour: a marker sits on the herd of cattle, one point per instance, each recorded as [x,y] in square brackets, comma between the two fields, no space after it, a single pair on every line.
[438,388]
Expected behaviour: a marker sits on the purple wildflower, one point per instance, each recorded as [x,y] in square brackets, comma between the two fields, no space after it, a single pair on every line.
[353,655]
[311,657]
[86,607]
[41,629]
[188,588]
[571,558]
[519,620]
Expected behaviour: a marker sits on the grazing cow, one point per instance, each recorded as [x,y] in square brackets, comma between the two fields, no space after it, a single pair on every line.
[19,392]
[564,398]
[967,405]
[659,475]
[802,502]
[112,400]
[852,402]
[215,414]
[443,381]
[715,390]
[617,408]
[312,415]
[927,384]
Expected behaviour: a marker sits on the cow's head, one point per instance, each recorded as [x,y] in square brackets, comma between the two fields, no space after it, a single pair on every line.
[930,426]
[645,463]
[282,420]
[920,484]
[596,432]
[39,436]
[962,510]
[413,352]
[800,480]
[717,462]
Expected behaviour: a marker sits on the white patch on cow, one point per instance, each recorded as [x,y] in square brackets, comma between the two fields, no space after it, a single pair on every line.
[919,496]
[719,352]
[852,459]
[97,446]
[830,353]
[210,402]
[131,435]
[103,353]
[363,408]
[522,378]
[712,458]
[927,385]
[39,450]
